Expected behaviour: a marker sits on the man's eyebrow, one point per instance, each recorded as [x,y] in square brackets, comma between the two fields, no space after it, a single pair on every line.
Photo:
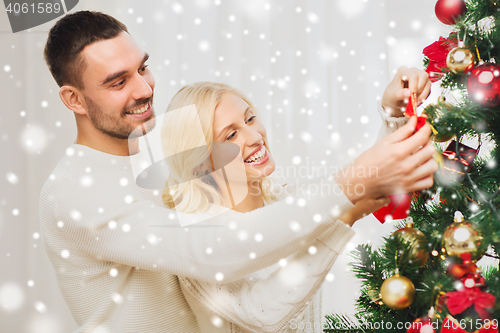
[248,109]
[114,76]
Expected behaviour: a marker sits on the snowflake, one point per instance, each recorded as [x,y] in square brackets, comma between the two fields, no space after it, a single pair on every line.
[12,178]
[40,307]
[11,297]
[177,8]
[34,138]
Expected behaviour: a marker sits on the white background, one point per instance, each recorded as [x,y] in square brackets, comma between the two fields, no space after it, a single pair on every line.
[315,69]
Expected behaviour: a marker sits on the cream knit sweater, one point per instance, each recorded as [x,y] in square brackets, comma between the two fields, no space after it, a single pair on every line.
[117,252]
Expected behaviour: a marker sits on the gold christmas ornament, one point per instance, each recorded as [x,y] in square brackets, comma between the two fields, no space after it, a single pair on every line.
[375,296]
[460,60]
[416,239]
[461,237]
[439,137]
[398,292]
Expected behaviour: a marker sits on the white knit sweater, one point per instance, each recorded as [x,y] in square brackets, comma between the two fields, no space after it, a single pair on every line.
[279,298]
[117,252]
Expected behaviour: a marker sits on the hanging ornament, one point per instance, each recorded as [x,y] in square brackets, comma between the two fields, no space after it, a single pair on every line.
[375,296]
[460,60]
[462,237]
[455,166]
[423,325]
[397,292]
[450,11]
[438,109]
[457,270]
[483,85]
[416,239]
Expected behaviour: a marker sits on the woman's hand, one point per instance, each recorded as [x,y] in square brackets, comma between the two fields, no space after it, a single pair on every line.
[362,208]
[398,91]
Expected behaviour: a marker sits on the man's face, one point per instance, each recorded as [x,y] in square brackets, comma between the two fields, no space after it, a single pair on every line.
[118,86]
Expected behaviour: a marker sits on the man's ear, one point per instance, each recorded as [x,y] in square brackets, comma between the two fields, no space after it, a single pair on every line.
[72,98]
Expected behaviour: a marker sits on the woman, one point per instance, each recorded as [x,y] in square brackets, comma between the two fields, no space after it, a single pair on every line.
[215,180]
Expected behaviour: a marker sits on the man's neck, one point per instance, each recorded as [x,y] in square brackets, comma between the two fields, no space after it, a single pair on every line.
[103,142]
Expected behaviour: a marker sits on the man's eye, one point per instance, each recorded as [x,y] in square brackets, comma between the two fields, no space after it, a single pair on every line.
[143,69]
[119,83]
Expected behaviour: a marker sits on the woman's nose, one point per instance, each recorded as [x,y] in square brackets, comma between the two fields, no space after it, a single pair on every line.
[253,137]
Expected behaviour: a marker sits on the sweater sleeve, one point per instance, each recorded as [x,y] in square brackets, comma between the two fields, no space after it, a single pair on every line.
[389,124]
[269,301]
[107,225]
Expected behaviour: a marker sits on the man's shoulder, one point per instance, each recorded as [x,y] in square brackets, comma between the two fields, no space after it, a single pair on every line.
[59,180]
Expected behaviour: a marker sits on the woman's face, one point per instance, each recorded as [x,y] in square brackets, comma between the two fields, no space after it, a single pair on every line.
[236,122]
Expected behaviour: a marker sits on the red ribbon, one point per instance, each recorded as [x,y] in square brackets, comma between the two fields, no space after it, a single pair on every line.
[459,301]
[411,110]
[399,207]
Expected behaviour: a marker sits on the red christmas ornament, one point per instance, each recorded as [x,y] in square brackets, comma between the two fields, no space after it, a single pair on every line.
[449,11]
[423,325]
[457,271]
[483,85]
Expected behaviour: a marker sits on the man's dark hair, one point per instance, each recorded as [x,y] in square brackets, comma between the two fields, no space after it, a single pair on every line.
[69,36]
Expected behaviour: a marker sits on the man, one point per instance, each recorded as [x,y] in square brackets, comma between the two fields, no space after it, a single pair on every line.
[118,273]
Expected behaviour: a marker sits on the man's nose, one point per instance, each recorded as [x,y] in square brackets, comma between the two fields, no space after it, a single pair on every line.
[142,89]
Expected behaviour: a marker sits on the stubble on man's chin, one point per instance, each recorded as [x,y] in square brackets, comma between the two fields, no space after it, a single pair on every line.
[116,127]
[145,127]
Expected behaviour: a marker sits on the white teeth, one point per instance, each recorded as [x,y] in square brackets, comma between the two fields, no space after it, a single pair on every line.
[141,110]
[257,156]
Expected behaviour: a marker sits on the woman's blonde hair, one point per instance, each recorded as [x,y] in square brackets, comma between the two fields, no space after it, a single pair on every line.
[189,187]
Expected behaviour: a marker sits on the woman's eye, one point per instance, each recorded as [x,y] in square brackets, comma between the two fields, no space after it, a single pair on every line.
[231,136]
[251,119]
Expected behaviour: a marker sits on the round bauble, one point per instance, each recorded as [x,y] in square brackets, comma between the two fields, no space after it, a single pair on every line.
[461,238]
[483,85]
[375,296]
[417,240]
[397,292]
[460,60]
[449,11]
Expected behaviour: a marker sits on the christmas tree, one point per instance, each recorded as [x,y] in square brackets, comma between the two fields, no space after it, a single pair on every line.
[424,277]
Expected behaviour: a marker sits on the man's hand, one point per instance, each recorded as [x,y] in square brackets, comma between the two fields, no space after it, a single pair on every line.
[398,91]
[402,162]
